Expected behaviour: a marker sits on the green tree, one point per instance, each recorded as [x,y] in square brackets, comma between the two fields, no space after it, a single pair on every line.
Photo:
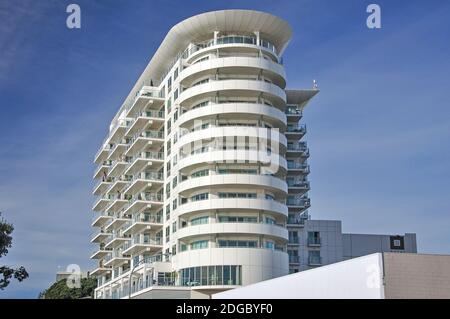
[6,273]
[60,290]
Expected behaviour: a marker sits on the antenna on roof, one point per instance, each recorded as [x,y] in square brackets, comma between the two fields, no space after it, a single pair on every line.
[315,85]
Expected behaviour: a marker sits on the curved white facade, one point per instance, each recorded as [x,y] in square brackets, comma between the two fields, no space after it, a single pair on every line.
[200,175]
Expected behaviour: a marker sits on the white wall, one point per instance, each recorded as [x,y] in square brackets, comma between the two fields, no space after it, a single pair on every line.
[359,278]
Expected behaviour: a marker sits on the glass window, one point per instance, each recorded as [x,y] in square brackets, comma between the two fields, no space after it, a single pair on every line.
[199,197]
[204,275]
[203,172]
[200,244]
[199,220]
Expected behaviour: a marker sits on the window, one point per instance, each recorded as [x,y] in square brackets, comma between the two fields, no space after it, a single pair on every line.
[205,103]
[183,247]
[203,172]
[175,74]
[169,104]
[237,195]
[200,244]
[269,245]
[169,84]
[174,182]
[199,220]
[174,227]
[174,250]
[237,243]
[167,233]
[314,257]
[313,238]
[198,197]
[175,95]
[201,82]
[174,204]
[269,197]
[168,209]
[270,220]
[167,190]
[237,219]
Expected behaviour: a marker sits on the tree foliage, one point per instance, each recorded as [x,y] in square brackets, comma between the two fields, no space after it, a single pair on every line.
[6,273]
[60,290]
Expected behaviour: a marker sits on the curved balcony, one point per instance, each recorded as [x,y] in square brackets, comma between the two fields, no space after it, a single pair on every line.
[234,180]
[269,230]
[231,131]
[224,86]
[237,65]
[242,110]
[272,162]
[241,204]
[242,43]
[259,257]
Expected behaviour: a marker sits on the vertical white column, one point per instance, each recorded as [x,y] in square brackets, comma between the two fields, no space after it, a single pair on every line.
[216,33]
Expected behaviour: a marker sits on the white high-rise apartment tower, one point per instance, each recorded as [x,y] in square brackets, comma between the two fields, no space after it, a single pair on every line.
[203,172]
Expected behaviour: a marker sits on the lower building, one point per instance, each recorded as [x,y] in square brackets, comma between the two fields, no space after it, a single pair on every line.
[375,276]
[316,243]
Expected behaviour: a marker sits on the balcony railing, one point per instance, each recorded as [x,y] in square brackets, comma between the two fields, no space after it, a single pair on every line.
[143,240]
[294,259]
[298,184]
[155,114]
[100,214]
[293,111]
[148,218]
[296,220]
[153,197]
[147,155]
[99,231]
[293,240]
[105,147]
[302,202]
[314,241]
[314,260]
[296,165]
[155,176]
[301,147]
[114,254]
[297,129]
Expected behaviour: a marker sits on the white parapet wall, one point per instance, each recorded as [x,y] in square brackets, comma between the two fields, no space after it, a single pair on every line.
[360,278]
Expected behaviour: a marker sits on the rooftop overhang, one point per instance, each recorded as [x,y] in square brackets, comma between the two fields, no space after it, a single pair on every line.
[201,27]
[300,97]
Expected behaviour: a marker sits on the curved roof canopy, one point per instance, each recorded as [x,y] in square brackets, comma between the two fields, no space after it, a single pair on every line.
[201,27]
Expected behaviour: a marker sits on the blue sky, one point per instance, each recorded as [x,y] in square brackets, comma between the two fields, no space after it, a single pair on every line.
[378,132]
